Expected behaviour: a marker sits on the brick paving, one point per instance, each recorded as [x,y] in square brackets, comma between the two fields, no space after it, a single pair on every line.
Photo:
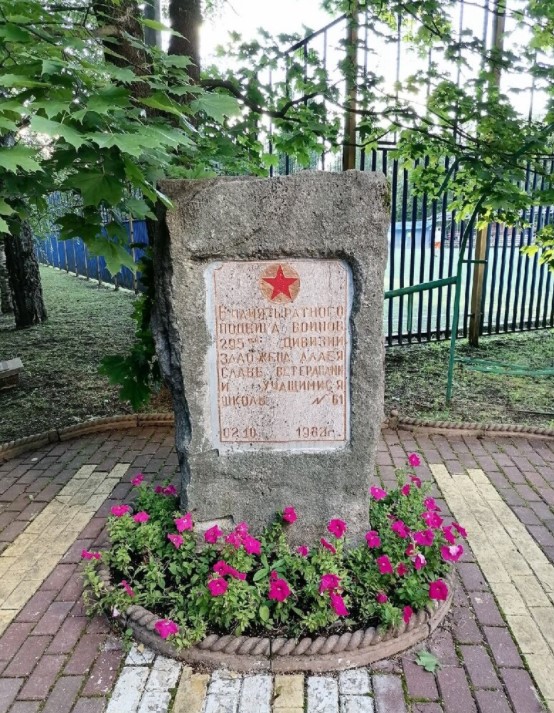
[53,659]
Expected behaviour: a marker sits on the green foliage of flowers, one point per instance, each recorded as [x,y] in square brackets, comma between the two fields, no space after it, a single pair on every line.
[239,584]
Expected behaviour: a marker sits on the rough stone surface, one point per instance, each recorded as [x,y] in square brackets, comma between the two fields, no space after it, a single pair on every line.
[310,216]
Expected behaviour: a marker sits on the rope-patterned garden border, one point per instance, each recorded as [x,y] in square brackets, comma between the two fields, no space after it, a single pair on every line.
[110,423]
[323,653]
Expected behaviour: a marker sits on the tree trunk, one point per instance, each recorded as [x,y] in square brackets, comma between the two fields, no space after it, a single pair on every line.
[6,306]
[185,18]
[24,275]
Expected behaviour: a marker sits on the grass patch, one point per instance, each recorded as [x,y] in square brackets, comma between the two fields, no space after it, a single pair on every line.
[416,381]
[61,384]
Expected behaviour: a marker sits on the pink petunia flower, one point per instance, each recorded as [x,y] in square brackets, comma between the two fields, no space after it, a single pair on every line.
[419,561]
[217,586]
[400,528]
[234,540]
[328,581]
[401,569]
[120,510]
[141,516]
[424,537]
[430,504]
[384,564]
[377,493]
[170,490]
[328,546]
[212,535]
[416,481]
[137,480]
[224,570]
[410,549]
[176,540]
[126,586]
[414,460]
[279,590]
[251,545]
[184,523]
[407,614]
[166,627]
[460,529]
[452,553]
[337,602]
[449,536]
[381,597]
[432,519]
[405,489]
[372,538]
[87,555]
[303,550]
[289,515]
[242,529]
[438,590]
[337,527]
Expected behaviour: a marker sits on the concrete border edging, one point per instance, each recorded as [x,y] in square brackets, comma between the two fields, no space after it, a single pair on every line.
[282,655]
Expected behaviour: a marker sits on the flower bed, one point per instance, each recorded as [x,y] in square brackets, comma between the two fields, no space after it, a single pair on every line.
[235,583]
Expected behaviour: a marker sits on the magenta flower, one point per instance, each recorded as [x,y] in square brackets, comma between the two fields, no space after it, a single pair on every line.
[407,614]
[460,529]
[381,598]
[452,553]
[424,538]
[337,527]
[224,569]
[170,490]
[176,540]
[120,510]
[212,535]
[377,493]
[252,545]
[432,520]
[303,550]
[328,546]
[289,515]
[217,586]
[413,460]
[279,590]
[241,529]
[234,540]
[449,536]
[401,569]
[430,504]
[137,480]
[184,523]
[410,549]
[141,516]
[438,590]
[128,589]
[328,581]
[384,564]
[400,528]
[166,627]
[419,561]
[86,555]
[337,602]
[372,538]
[405,489]
[416,481]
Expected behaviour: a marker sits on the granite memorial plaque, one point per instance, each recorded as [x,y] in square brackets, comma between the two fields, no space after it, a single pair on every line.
[268,325]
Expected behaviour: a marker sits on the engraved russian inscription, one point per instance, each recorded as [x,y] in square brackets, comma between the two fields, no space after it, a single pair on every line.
[279,363]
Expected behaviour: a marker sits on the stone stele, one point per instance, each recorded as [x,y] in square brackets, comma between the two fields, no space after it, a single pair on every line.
[268,325]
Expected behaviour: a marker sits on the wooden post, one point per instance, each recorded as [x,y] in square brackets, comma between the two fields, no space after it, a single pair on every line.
[349,148]
[478,286]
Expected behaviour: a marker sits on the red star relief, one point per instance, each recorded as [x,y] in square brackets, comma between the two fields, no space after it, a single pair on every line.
[280,284]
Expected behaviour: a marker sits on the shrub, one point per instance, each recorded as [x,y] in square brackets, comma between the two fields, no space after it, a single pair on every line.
[239,584]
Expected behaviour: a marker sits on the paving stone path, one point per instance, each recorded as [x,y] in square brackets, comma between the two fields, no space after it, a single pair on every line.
[496,650]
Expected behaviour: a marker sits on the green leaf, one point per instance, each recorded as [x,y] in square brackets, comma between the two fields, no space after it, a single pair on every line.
[217,106]
[260,574]
[19,80]
[113,253]
[163,103]
[177,60]
[96,187]
[54,128]
[4,228]
[5,209]
[155,25]
[138,208]
[105,100]
[14,33]
[264,613]
[428,661]
[19,156]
